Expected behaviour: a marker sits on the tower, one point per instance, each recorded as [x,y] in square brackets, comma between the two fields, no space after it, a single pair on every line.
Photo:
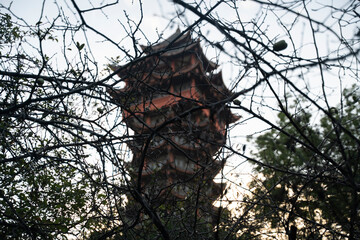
[175,105]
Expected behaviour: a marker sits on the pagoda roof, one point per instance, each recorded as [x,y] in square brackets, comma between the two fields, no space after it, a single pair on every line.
[175,40]
[211,85]
[180,43]
[177,44]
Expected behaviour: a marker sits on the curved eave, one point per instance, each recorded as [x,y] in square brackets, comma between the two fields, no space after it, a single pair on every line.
[210,66]
[124,72]
[218,88]
[217,189]
[116,68]
[234,118]
[181,50]
[217,79]
[159,103]
[203,63]
[140,126]
[136,125]
[115,93]
[211,147]
[192,48]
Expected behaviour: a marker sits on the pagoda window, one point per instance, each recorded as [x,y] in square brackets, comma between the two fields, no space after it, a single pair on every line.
[157,164]
[201,120]
[157,141]
[162,71]
[162,65]
[182,141]
[183,164]
[159,94]
[181,190]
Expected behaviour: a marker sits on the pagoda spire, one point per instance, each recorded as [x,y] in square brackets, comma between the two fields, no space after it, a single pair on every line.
[166,102]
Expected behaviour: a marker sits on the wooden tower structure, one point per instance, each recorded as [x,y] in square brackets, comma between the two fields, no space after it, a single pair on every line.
[175,105]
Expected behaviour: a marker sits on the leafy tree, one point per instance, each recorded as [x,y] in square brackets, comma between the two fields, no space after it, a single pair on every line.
[8,31]
[309,175]
[45,189]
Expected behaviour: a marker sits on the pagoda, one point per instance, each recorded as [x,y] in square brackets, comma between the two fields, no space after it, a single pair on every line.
[174,103]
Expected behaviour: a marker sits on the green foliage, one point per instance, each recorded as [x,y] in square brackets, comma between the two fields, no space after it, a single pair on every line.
[310,176]
[8,31]
[39,201]
[180,219]
[45,188]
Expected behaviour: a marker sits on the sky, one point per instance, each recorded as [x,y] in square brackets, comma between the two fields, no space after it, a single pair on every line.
[112,21]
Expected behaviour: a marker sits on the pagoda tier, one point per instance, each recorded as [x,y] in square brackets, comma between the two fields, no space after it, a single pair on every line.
[175,105]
